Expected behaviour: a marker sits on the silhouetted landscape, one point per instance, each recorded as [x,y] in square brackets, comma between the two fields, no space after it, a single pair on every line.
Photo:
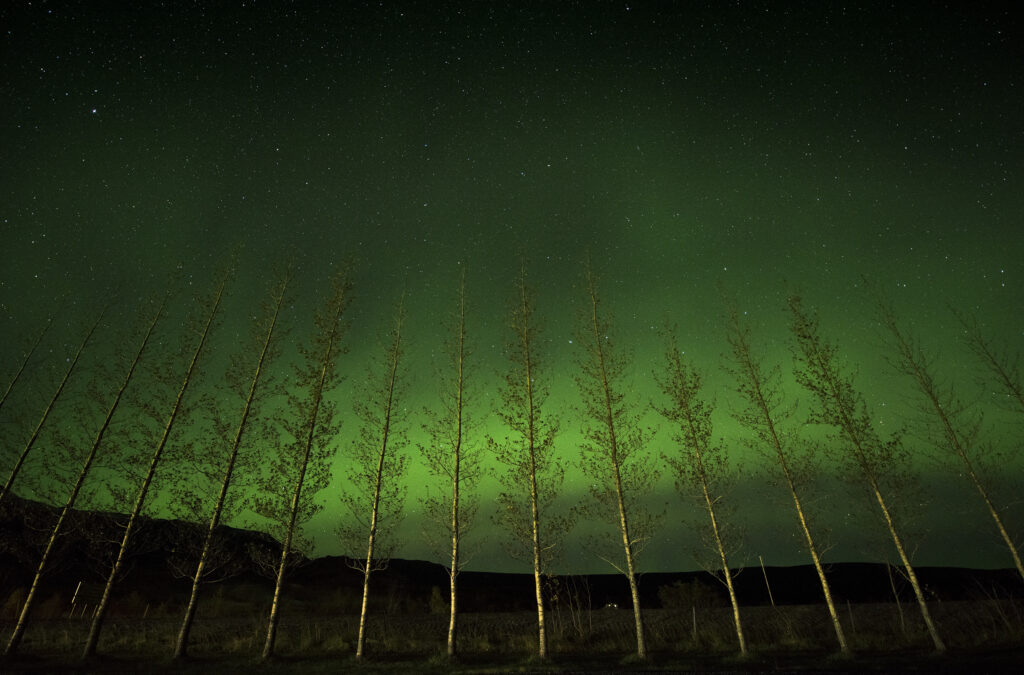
[981,611]
[536,336]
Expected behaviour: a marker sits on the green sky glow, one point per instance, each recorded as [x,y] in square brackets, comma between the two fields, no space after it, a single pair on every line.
[689,150]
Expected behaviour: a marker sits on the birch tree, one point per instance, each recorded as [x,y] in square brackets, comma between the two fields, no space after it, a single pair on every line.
[254,361]
[83,474]
[1003,368]
[863,452]
[24,362]
[701,466]
[954,427]
[213,306]
[614,454]
[767,415]
[34,437]
[531,476]
[453,457]
[375,494]
[301,468]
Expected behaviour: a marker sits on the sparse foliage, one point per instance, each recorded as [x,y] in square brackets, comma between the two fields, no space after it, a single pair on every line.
[252,392]
[878,464]
[142,491]
[19,630]
[452,456]
[954,427]
[376,495]
[531,477]
[614,454]
[793,461]
[702,468]
[299,469]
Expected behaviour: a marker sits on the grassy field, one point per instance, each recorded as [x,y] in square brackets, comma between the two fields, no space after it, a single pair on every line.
[983,636]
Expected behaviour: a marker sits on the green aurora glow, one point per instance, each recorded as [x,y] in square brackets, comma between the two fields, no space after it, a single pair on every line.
[689,149]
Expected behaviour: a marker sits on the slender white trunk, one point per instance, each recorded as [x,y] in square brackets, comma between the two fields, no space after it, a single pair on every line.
[19,628]
[613,454]
[378,485]
[46,412]
[24,362]
[101,610]
[286,548]
[181,646]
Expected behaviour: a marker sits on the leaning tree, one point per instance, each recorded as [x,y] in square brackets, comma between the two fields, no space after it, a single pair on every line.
[299,468]
[878,464]
[376,494]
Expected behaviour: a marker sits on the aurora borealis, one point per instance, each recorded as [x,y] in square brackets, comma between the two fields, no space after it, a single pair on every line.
[691,148]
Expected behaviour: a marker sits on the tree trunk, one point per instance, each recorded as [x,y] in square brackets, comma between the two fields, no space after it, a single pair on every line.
[542,639]
[19,628]
[925,614]
[97,623]
[375,510]
[454,571]
[725,567]
[181,647]
[24,362]
[844,647]
[46,413]
[318,393]
[609,419]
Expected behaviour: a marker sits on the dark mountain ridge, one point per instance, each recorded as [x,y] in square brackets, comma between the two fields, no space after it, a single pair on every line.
[163,553]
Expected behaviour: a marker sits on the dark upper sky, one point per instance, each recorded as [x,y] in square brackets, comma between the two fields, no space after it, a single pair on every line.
[687,147]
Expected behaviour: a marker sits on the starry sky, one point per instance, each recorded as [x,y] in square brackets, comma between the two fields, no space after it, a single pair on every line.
[693,149]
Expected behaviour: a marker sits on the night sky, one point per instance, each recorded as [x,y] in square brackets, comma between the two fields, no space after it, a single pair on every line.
[734,148]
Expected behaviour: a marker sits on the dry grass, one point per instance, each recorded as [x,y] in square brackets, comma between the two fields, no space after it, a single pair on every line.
[506,641]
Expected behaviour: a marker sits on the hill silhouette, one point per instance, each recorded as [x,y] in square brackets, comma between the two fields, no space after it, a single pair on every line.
[161,557]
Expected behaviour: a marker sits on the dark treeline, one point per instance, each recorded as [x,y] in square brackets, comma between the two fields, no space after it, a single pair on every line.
[157,417]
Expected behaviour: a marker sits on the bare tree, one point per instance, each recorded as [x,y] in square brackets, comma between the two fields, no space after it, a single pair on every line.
[301,469]
[613,452]
[264,352]
[48,409]
[1003,367]
[840,405]
[375,496]
[957,425]
[19,628]
[532,477]
[24,362]
[701,466]
[451,456]
[766,414]
[143,489]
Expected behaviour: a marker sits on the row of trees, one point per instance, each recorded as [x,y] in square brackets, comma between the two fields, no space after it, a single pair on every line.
[263,439]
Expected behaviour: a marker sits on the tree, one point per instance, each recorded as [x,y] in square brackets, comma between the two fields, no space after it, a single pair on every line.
[1002,368]
[766,416]
[451,456]
[6,489]
[957,425]
[19,628]
[375,495]
[532,477]
[840,405]
[613,448]
[143,489]
[24,362]
[701,467]
[261,354]
[300,469]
